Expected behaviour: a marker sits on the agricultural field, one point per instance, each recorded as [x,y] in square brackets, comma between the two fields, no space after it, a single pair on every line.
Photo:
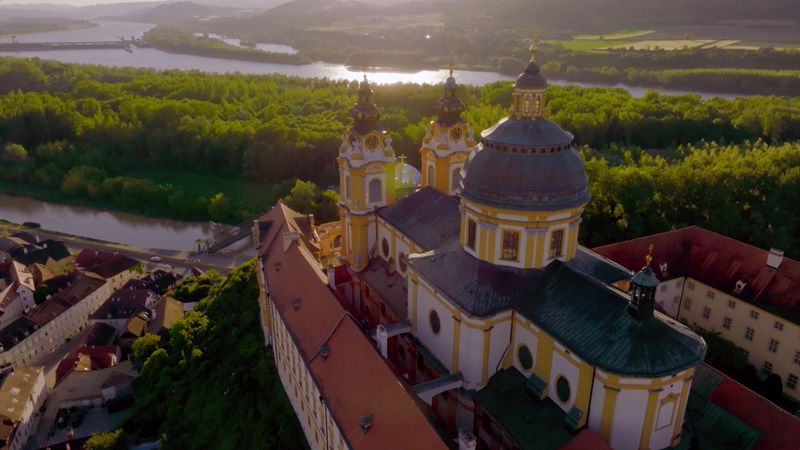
[587,44]
[765,34]
[367,24]
[618,35]
[675,44]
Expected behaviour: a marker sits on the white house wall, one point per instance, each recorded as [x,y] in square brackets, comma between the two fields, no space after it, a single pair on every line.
[569,369]
[442,344]
[500,339]
[628,421]
[668,294]
[596,405]
[667,414]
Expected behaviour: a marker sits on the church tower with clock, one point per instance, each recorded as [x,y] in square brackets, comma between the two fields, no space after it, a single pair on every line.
[366,176]
[447,142]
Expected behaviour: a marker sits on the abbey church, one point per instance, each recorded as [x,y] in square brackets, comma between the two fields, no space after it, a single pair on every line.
[463,313]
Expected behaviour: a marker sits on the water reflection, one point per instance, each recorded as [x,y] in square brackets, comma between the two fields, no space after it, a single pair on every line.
[110,226]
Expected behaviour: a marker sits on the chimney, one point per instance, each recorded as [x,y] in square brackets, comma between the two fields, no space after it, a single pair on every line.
[382,336]
[96,252]
[37,238]
[311,220]
[775,258]
[331,276]
[25,249]
[288,238]
[466,441]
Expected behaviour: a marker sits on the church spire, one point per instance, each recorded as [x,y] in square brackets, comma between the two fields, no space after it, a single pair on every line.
[364,113]
[449,106]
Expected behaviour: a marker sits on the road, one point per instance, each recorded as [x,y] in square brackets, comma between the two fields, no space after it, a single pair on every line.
[177,259]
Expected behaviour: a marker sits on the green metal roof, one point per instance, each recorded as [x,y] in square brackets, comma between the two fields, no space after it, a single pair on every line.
[533,424]
[591,320]
[714,428]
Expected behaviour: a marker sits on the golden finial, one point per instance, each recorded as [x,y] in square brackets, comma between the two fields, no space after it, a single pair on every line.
[649,258]
[451,64]
[364,69]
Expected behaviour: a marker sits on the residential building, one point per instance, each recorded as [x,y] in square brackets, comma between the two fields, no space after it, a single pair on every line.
[17,297]
[714,283]
[122,305]
[22,392]
[48,325]
[115,268]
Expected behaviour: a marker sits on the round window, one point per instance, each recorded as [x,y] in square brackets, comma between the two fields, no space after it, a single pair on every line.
[401,261]
[562,389]
[436,325]
[385,247]
[525,357]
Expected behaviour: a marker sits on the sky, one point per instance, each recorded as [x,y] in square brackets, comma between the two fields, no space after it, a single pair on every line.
[66,2]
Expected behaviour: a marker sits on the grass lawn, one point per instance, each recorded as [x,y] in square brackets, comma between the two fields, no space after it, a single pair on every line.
[248,194]
[584,45]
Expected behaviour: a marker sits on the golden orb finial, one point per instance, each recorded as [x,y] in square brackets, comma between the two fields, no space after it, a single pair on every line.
[451,64]
[649,258]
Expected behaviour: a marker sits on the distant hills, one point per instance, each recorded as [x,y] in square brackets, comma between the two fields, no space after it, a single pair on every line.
[167,13]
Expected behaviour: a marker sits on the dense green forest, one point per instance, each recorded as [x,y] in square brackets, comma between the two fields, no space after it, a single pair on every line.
[188,144]
[212,384]
[178,39]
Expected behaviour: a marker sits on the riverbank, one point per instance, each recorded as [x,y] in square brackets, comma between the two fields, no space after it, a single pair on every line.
[4,33]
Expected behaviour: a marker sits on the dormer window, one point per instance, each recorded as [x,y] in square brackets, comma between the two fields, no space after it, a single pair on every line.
[663,268]
[740,285]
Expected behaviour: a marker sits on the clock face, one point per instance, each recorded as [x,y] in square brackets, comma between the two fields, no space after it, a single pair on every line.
[372,142]
[455,133]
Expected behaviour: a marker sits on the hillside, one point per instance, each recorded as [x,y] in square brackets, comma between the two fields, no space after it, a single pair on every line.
[173,13]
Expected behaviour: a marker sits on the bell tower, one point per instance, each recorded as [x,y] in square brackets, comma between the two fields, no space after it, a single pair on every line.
[366,178]
[447,142]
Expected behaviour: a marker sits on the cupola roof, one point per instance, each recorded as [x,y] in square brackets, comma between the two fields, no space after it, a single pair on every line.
[450,106]
[364,113]
[532,77]
[526,162]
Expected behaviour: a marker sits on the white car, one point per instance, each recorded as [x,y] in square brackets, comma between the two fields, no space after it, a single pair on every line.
[155,258]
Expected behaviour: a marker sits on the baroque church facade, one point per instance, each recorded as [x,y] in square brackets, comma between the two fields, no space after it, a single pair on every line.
[477,294]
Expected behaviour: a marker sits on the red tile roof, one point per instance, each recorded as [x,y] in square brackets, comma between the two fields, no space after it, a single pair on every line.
[719,262]
[105,264]
[354,380]
[86,358]
[586,439]
[779,429]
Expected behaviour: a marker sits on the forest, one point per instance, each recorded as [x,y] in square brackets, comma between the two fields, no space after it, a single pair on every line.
[196,145]
[211,383]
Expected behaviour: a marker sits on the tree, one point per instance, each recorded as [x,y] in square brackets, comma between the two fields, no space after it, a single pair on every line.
[220,208]
[42,292]
[302,197]
[723,354]
[510,66]
[14,154]
[144,346]
[113,440]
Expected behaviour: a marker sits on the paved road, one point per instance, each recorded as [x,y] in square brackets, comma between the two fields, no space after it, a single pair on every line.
[174,258]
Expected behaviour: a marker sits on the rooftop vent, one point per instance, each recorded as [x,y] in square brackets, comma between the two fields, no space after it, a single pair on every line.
[324,352]
[775,258]
[296,303]
[277,266]
[663,268]
[740,285]
[365,422]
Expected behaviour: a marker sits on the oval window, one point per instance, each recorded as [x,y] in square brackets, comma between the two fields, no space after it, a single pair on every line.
[385,247]
[562,389]
[525,357]
[436,325]
[401,261]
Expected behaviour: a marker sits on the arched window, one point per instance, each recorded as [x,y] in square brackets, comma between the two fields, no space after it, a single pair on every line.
[385,247]
[430,176]
[401,261]
[347,187]
[337,241]
[375,191]
[456,178]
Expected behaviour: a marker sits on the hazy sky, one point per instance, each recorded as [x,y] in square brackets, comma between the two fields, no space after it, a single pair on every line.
[66,2]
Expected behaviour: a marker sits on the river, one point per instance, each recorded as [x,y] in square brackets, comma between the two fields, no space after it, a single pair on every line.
[156,59]
[111,226]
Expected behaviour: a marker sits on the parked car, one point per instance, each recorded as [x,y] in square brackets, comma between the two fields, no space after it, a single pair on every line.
[78,420]
[155,258]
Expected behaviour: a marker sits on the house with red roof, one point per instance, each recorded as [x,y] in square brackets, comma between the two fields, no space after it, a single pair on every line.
[749,295]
